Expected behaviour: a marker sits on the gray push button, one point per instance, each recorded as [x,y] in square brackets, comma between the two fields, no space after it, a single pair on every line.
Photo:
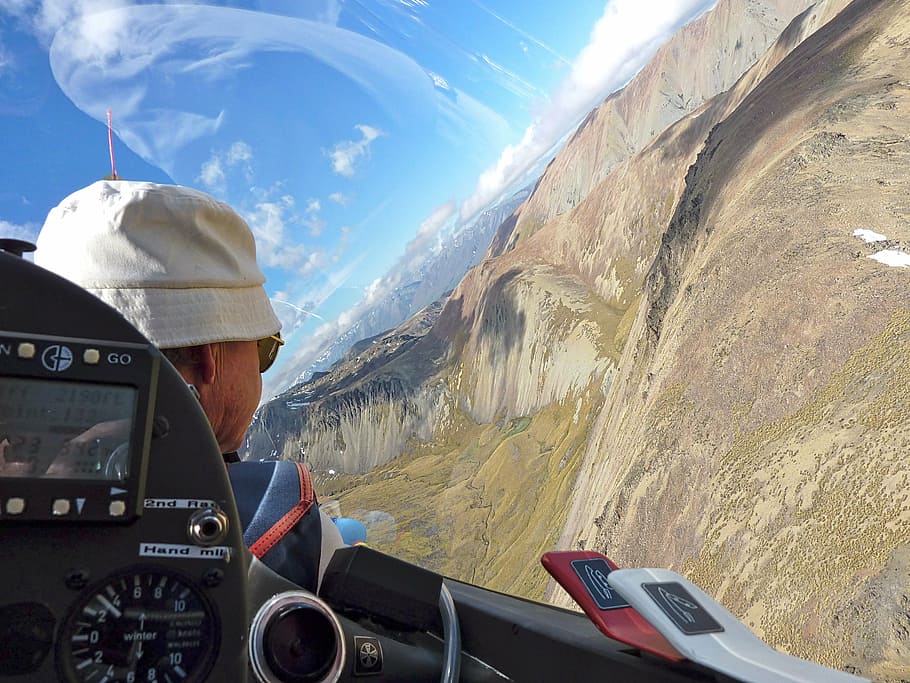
[15,506]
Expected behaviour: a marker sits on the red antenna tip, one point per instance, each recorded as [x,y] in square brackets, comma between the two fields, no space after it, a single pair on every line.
[110,144]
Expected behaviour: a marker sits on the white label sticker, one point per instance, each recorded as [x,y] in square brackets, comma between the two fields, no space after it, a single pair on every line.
[178,504]
[191,552]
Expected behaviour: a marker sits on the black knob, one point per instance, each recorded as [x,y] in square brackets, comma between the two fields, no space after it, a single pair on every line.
[16,247]
[300,644]
[26,637]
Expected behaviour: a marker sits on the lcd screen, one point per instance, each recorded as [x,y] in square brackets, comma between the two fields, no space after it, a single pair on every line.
[65,430]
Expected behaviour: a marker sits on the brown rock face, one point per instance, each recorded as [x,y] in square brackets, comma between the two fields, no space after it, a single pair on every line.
[680,351]
[756,436]
[704,58]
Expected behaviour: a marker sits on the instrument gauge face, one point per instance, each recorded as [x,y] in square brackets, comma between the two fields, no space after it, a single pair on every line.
[145,625]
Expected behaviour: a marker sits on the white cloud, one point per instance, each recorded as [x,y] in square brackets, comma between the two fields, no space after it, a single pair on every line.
[311,219]
[315,225]
[892,257]
[339,198]
[154,138]
[135,57]
[348,153]
[212,174]
[27,232]
[269,221]
[45,17]
[439,81]
[215,171]
[623,40]
[415,254]
[295,309]
[239,152]
[431,225]
[109,58]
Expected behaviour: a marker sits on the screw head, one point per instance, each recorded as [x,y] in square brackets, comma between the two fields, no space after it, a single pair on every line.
[213,577]
[160,427]
[76,579]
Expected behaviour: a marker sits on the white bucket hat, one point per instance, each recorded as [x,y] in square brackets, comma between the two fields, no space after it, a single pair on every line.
[177,263]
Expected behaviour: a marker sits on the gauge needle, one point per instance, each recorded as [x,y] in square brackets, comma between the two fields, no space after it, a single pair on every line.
[135,654]
[109,606]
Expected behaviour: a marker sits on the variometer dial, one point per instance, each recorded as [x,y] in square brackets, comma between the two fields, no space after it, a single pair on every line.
[140,626]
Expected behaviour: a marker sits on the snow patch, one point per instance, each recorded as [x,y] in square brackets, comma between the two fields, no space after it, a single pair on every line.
[868,236]
[892,257]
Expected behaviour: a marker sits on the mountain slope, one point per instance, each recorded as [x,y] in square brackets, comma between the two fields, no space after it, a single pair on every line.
[757,435]
[694,366]
[704,58]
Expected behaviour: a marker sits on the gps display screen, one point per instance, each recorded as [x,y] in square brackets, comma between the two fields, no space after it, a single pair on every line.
[65,430]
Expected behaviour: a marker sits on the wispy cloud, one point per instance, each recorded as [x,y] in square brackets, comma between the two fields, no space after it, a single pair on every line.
[6,59]
[431,226]
[272,222]
[521,32]
[623,40]
[314,223]
[512,81]
[339,198]
[45,17]
[27,232]
[348,153]
[409,263]
[344,240]
[160,139]
[295,308]
[141,61]
[113,58]
[239,152]
[214,172]
[439,81]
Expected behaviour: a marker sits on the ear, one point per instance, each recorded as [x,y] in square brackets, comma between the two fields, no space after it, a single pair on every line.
[207,362]
[200,369]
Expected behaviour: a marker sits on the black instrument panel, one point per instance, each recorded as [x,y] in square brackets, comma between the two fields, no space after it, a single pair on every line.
[106,459]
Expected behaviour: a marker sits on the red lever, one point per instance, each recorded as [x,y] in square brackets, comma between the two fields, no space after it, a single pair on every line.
[583,574]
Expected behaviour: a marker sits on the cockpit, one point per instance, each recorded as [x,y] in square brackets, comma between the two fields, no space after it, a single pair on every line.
[125,560]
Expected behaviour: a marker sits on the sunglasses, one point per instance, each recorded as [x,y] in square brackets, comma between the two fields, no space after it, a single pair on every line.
[268,351]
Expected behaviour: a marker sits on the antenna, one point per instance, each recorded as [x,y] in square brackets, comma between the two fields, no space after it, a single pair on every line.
[110,146]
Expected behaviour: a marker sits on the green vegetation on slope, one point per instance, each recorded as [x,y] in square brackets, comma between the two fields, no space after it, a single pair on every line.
[481,503]
[825,479]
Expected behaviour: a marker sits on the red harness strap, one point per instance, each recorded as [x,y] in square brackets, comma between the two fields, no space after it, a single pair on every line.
[271,537]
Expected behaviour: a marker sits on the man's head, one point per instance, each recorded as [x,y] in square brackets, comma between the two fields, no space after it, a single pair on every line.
[181,267]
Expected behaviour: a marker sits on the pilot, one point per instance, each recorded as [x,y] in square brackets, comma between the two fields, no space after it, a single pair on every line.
[181,267]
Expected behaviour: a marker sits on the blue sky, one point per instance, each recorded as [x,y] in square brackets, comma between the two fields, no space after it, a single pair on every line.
[352,134]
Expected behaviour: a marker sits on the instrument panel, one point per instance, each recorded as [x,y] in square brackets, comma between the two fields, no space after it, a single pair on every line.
[126,562]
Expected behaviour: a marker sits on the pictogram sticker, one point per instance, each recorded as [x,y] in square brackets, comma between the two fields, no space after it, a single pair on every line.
[593,574]
[369,656]
[683,609]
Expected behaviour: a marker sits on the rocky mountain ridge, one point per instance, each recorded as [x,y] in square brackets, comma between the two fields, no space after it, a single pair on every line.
[419,288]
[691,360]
